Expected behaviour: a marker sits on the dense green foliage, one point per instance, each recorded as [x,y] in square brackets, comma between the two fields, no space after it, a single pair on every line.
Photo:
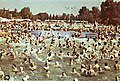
[109,14]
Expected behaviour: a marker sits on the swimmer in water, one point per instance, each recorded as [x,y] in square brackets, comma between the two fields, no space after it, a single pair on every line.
[106,67]
[2,74]
[74,72]
[117,65]
[14,68]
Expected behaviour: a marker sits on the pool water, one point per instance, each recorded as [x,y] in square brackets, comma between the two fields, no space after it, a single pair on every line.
[56,72]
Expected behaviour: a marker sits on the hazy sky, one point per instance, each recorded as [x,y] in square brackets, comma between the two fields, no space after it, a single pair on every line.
[50,6]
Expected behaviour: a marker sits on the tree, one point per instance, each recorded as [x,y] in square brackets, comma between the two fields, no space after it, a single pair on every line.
[53,17]
[50,17]
[56,17]
[64,16]
[26,13]
[15,10]
[5,13]
[117,18]
[15,14]
[96,14]
[42,16]
[71,17]
[109,12]
[85,14]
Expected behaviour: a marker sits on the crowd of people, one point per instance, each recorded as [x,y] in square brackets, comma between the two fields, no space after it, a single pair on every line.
[51,55]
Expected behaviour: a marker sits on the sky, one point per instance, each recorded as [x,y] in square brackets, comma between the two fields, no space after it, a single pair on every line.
[50,6]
